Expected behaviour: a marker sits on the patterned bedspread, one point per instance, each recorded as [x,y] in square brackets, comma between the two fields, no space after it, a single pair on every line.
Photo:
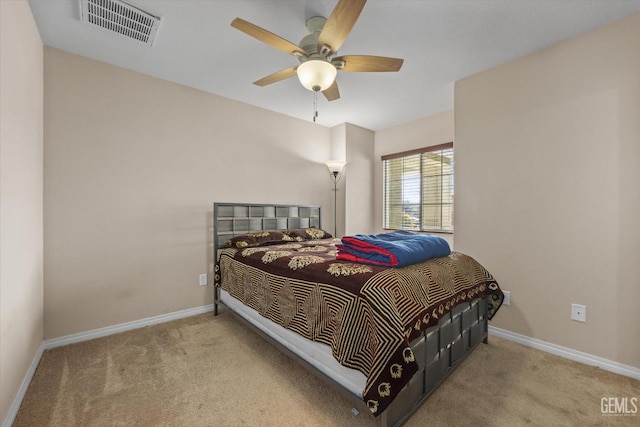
[367,314]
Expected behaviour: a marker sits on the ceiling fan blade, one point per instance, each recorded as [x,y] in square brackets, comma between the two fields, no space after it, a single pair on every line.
[340,23]
[266,37]
[367,63]
[332,93]
[276,77]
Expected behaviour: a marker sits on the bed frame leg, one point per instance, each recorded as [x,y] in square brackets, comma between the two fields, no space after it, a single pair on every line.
[215,301]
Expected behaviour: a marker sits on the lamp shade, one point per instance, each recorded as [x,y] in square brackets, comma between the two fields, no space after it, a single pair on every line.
[316,74]
[335,166]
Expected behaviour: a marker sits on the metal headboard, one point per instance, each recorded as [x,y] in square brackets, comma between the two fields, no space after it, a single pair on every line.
[234,219]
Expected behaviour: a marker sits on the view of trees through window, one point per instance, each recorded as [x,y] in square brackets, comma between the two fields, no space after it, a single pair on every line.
[418,189]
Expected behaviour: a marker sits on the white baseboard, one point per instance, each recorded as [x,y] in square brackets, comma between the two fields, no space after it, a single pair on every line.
[567,353]
[122,327]
[89,335]
[22,391]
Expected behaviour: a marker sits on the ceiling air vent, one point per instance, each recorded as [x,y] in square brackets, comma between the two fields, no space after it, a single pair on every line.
[122,18]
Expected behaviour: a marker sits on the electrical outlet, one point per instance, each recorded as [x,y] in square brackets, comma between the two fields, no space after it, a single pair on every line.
[507,298]
[579,312]
[203,279]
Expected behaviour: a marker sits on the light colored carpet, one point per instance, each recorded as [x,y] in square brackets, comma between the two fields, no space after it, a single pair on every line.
[212,371]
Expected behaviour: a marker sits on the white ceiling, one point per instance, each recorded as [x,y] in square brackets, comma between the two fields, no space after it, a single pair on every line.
[440,41]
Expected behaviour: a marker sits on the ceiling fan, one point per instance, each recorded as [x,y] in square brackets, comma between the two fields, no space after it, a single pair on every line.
[318,68]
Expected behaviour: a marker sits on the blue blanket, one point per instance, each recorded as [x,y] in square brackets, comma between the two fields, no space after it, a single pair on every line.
[395,249]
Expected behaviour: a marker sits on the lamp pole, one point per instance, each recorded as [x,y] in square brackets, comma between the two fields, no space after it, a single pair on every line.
[335,167]
[335,203]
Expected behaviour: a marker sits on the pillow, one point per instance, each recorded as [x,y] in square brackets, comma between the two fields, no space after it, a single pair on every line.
[312,233]
[258,238]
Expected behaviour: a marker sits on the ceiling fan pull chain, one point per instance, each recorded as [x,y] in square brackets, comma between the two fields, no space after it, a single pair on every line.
[315,105]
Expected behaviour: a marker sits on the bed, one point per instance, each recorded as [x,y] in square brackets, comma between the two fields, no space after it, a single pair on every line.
[385,337]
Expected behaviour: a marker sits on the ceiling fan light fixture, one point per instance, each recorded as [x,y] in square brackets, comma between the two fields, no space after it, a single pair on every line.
[316,74]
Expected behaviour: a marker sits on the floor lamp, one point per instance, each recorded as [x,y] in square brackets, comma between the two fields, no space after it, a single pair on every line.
[335,168]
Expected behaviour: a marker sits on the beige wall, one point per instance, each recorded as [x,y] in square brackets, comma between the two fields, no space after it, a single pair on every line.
[21,277]
[338,199]
[355,146]
[132,166]
[358,189]
[424,132]
[547,184]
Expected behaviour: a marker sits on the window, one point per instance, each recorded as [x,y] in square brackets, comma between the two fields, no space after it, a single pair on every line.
[418,189]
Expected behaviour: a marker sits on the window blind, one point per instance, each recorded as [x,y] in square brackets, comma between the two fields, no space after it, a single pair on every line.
[418,189]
